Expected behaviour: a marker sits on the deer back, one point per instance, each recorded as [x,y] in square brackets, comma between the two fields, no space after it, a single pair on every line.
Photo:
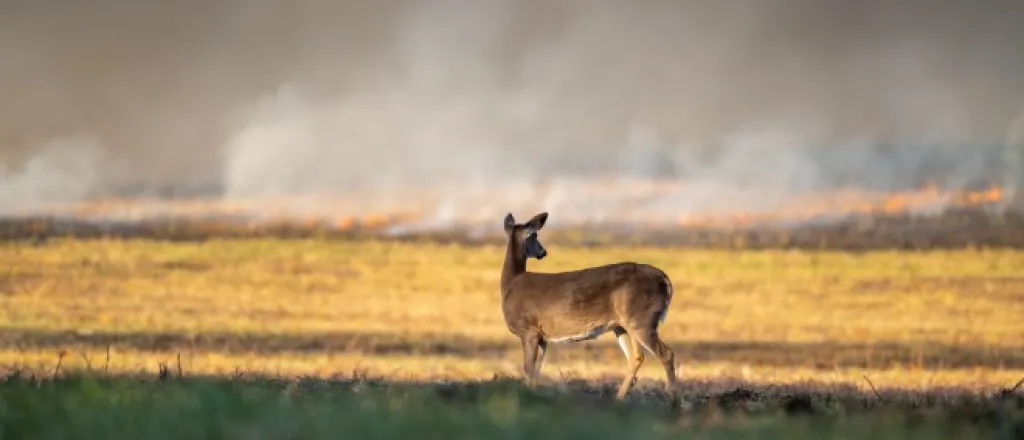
[624,294]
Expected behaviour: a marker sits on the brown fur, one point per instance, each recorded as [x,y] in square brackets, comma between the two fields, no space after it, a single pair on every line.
[628,299]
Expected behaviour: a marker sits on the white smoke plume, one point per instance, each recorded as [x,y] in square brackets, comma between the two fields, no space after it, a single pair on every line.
[61,171]
[466,110]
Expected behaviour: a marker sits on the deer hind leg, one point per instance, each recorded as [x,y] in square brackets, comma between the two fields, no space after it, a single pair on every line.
[634,359]
[542,349]
[531,349]
[652,342]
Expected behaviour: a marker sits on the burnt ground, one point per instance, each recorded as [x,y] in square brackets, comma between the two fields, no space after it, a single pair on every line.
[954,228]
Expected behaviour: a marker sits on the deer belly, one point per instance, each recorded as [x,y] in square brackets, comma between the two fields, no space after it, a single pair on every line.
[586,335]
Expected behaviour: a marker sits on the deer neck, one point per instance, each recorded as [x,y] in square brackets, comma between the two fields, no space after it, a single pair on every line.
[515,264]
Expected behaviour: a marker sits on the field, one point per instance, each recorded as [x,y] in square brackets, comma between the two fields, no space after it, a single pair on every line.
[313,338]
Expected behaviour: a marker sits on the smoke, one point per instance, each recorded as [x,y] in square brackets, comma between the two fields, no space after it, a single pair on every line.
[61,171]
[470,109]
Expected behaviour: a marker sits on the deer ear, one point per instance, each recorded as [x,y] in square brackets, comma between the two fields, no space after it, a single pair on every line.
[537,222]
[509,222]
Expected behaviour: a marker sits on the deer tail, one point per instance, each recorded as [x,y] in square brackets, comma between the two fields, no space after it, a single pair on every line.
[669,290]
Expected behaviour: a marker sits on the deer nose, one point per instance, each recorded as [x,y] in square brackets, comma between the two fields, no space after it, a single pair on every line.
[543,253]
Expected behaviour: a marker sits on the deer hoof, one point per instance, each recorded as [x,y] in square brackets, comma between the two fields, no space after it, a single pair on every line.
[675,402]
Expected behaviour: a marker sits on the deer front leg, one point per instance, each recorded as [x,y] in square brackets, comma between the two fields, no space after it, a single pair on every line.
[531,347]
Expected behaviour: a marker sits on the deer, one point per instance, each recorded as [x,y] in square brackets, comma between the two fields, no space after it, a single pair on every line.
[626,298]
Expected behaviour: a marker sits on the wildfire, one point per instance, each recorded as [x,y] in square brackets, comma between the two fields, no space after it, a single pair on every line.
[345,223]
[928,199]
[991,195]
[648,203]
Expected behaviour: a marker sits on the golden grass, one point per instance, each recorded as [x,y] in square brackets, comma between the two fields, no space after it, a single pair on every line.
[906,319]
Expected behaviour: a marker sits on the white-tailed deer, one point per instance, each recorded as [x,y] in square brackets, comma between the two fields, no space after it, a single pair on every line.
[629,299]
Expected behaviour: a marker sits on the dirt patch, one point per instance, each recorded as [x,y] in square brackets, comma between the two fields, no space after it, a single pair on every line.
[187,266]
[15,283]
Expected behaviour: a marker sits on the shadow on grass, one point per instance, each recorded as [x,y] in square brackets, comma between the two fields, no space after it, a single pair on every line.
[825,355]
[169,406]
[730,395]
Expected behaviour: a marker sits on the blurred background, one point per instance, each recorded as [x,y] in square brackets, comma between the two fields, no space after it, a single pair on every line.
[448,114]
[811,124]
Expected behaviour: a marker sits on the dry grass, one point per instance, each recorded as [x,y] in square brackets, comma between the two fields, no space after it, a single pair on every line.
[417,310]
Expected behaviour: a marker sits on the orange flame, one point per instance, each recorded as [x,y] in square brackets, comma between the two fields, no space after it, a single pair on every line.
[345,223]
[374,220]
[833,203]
[895,203]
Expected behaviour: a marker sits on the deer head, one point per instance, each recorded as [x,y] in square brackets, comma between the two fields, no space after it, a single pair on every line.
[523,237]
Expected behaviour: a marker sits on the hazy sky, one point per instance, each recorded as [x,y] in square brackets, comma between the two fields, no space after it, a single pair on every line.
[268,97]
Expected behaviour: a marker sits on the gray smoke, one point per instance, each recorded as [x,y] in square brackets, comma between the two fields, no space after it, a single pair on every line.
[476,108]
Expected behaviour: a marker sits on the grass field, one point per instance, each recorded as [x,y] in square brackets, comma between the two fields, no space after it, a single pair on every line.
[304,408]
[912,323]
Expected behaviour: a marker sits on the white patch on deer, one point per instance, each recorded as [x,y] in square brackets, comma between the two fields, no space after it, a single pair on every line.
[592,333]
[668,299]
[624,345]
